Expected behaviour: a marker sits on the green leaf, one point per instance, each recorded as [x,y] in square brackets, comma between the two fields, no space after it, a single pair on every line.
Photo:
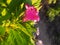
[4,12]
[36,4]
[2,30]
[52,13]
[18,37]
[29,28]
[11,10]
[22,28]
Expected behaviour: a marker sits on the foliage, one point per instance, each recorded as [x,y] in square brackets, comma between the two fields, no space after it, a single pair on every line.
[54,9]
[13,31]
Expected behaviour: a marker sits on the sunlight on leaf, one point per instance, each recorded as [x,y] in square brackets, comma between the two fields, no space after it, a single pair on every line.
[3,23]
[54,1]
[3,4]
[21,14]
[12,13]
[22,5]
[8,1]
[34,1]
[4,12]
[37,4]
[50,1]
[7,29]
[38,8]
[51,14]
[14,26]
[7,24]
[33,42]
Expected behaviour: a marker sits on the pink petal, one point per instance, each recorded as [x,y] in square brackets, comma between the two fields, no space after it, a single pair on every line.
[31,13]
[27,6]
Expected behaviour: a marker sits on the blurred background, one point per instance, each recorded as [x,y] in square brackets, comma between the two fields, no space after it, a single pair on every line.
[50,23]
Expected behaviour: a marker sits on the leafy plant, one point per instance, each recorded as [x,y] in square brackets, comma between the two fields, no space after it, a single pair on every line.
[13,31]
[54,9]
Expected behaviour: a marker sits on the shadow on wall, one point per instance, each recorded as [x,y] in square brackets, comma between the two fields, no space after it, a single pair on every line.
[54,31]
[49,31]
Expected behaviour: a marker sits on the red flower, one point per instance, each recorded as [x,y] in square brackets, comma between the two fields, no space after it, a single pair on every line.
[31,14]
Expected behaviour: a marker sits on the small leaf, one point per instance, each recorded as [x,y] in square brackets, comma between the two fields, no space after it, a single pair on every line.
[4,12]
